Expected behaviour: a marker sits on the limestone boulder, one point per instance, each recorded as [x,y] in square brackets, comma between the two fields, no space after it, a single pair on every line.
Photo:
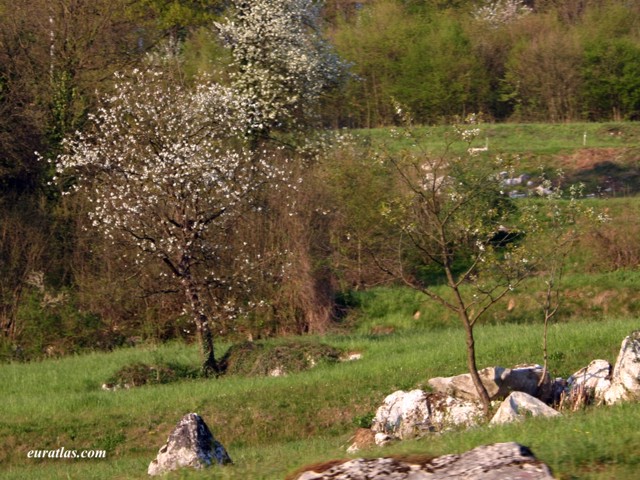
[519,405]
[405,415]
[190,444]
[498,381]
[589,383]
[625,379]
[449,412]
[492,462]
[402,415]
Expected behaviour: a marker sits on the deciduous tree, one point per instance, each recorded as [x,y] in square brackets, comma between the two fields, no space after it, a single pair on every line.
[281,61]
[165,168]
[452,217]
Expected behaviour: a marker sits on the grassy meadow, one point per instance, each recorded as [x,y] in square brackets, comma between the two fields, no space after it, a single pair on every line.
[272,426]
[523,138]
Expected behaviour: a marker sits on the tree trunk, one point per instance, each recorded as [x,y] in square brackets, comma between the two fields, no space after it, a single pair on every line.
[205,336]
[483,395]
[472,366]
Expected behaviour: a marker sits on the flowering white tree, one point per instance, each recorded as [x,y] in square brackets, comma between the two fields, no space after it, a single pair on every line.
[282,66]
[281,63]
[501,12]
[165,167]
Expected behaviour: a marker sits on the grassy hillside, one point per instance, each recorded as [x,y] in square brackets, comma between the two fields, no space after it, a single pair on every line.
[273,425]
[536,138]
[602,155]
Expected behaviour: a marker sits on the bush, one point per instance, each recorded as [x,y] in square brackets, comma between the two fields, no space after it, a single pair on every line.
[255,359]
[138,374]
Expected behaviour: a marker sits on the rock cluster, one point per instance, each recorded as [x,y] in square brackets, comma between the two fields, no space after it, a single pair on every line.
[405,415]
[492,462]
[522,390]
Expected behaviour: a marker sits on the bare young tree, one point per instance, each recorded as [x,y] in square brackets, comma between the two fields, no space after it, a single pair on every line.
[452,216]
[165,167]
[556,221]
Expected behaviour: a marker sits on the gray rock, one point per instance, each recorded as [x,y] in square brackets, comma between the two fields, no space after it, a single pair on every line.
[405,415]
[625,381]
[498,381]
[499,461]
[518,405]
[190,444]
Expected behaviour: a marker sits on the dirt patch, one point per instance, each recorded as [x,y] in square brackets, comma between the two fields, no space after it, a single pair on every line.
[588,158]
[603,171]
[603,298]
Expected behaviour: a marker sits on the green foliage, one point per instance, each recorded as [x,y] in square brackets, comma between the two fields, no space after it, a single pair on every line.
[364,421]
[203,54]
[442,60]
[51,325]
[440,77]
[178,17]
[375,43]
[542,76]
[612,79]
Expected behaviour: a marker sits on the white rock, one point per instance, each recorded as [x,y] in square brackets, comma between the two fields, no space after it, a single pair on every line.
[448,412]
[402,415]
[625,381]
[518,405]
[498,381]
[277,372]
[412,414]
[594,380]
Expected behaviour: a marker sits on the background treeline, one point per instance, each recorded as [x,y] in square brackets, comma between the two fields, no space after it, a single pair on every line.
[554,61]
[62,288]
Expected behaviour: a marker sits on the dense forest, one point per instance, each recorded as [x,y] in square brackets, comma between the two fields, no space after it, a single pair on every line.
[63,288]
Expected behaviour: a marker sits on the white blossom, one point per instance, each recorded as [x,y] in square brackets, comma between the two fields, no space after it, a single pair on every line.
[281,62]
[501,12]
[163,168]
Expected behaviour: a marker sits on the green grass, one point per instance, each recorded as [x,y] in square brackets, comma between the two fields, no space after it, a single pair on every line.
[525,139]
[273,425]
[595,296]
